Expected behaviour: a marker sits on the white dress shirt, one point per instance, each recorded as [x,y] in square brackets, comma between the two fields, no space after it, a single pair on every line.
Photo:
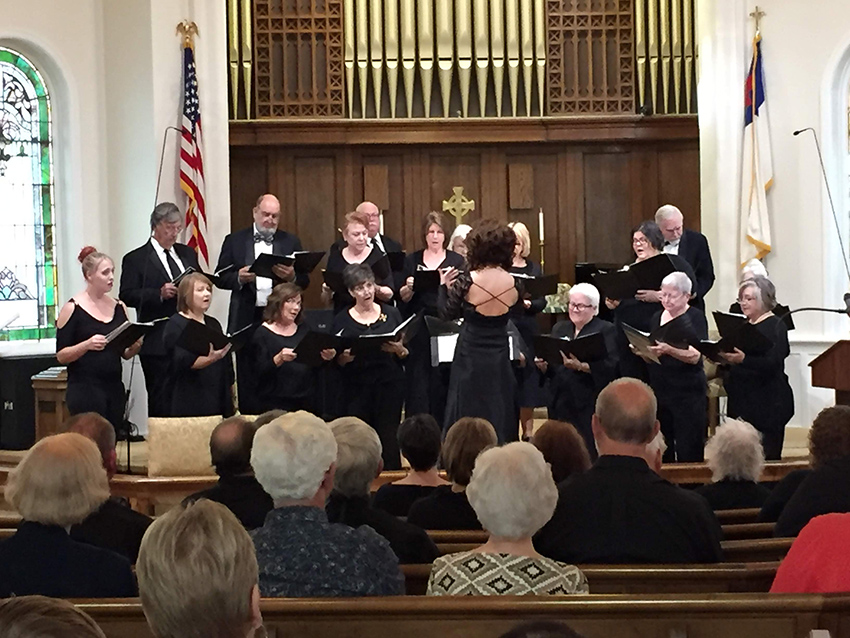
[160,252]
[264,284]
[672,247]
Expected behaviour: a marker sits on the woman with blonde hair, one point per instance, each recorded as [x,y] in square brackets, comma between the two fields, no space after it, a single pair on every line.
[43,617]
[58,483]
[199,385]
[94,370]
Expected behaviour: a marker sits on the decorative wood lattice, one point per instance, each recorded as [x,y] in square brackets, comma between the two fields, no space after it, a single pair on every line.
[299,58]
[590,57]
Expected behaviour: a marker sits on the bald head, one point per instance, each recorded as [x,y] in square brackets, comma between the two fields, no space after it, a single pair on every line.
[371,211]
[267,213]
[230,446]
[94,427]
[625,412]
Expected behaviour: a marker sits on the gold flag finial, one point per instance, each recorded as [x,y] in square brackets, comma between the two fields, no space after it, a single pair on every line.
[458,204]
[188,30]
[757,15]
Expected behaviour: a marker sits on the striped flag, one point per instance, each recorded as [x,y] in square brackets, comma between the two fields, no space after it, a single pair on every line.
[757,166]
[191,160]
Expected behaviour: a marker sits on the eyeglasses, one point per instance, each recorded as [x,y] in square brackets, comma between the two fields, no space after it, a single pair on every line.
[640,241]
[580,306]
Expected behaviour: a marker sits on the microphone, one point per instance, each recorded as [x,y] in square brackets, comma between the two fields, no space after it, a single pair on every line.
[162,161]
[797,132]
[847,302]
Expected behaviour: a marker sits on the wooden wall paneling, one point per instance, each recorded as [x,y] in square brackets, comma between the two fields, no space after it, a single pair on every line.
[376,187]
[249,178]
[450,167]
[282,185]
[644,168]
[607,210]
[349,185]
[570,228]
[415,196]
[520,185]
[383,184]
[678,182]
[494,184]
[547,191]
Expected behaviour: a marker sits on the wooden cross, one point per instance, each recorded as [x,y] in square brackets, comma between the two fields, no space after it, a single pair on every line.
[458,205]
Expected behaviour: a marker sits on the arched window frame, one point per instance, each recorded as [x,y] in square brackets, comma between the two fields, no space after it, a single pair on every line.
[40,142]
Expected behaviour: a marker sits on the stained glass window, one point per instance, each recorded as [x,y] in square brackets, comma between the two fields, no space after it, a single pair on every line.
[28,284]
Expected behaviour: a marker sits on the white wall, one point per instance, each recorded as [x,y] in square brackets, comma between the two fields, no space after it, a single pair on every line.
[801,44]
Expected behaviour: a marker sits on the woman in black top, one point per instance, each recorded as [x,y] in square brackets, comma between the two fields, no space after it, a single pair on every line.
[679,379]
[374,381]
[284,383]
[524,318]
[637,311]
[199,385]
[419,439]
[94,371]
[358,250]
[757,386]
[426,384]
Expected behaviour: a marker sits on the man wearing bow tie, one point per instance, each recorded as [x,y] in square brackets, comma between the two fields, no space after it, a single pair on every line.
[250,293]
[690,245]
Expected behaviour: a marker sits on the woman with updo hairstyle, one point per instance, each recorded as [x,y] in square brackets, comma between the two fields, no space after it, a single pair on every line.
[94,370]
[426,384]
[358,250]
[513,495]
[284,382]
[482,382]
[198,385]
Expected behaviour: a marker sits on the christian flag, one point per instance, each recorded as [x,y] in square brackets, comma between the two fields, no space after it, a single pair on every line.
[192,161]
[757,167]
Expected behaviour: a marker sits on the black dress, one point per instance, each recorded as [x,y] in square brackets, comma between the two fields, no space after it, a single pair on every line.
[482,382]
[528,376]
[374,383]
[94,380]
[342,300]
[574,393]
[427,385]
[397,499]
[680,389]
[639,314]
[289,386]
[204,392]
[733,494]
[758,389]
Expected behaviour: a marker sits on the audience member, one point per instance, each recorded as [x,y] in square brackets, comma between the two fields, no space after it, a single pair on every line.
[198,575]
[237,487]
[113,525]
[358,461]
[541,629]
[820,492]
[655,450]
[419,441]
[736,458]
[299,552]
[620,511]
[42,617]
[513,495]
[59,482]
[818,561]
[563,448]
[447,506]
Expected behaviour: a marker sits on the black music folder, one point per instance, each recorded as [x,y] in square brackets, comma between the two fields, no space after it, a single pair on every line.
[396,259]
[678,332]
[381,269]
[426,281]
[304,261]
[309,349]
[536,287]
[372,343]
[334,281]
[215,277]
[735,332]
[644,275]
[197,338]
[585,348]
[128,333]
[243,336]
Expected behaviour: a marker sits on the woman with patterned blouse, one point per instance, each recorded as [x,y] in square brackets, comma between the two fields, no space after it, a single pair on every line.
[513,493]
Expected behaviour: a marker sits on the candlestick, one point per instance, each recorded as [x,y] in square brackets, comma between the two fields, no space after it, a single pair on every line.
[540,224]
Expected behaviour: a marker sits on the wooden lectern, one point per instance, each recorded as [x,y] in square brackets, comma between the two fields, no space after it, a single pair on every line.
[832,370]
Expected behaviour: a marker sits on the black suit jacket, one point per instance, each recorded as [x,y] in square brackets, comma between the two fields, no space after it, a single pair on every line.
[238,251]
[42,559]
[142,276]
[114,526]
[693,248]
[242,495]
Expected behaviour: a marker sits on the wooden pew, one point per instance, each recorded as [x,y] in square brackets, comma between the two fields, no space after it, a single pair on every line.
[735,517]
[740,531]
[596,616]
[649,579]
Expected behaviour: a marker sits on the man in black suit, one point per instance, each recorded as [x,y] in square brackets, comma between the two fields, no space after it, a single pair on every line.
[620,510]
[237,488]
[249,293]
[690,245]
[114,525]
[147,274]
[385,244]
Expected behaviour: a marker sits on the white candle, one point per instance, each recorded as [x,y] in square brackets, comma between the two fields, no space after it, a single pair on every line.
[540,223]
[381,231]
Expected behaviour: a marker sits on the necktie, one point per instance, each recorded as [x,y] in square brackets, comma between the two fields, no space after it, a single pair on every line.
[258,237]
[172,265]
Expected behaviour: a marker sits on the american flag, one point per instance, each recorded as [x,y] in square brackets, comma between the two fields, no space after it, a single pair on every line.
[191,160]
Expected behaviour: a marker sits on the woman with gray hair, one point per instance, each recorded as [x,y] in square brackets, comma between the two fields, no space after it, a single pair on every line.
[736,459]
[750,270]
[575,384]
[757,385]
[58,483]
[513,495]
[678,378]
